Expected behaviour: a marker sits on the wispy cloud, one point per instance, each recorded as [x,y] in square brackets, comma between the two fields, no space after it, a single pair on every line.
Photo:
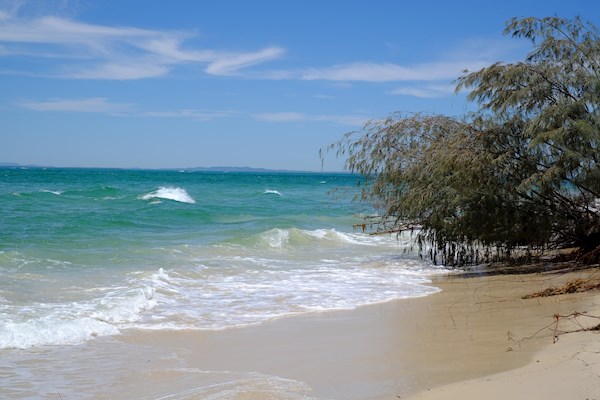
[387,72]
[88,105]
[118,71]
[425,79]
[88,51]
[78,50]
[302,117]
[231,64]
[102,105]
[425,91]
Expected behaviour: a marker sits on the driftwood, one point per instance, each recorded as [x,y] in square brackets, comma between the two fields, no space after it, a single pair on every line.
[574,286]
[576,317]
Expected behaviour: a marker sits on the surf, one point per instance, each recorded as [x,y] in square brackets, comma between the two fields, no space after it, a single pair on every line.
[271,191]
[258,246]
[170,193]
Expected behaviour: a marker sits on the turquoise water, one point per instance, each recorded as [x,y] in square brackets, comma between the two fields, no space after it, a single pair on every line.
[89,253]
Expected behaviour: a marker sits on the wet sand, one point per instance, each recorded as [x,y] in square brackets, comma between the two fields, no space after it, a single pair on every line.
[477,332]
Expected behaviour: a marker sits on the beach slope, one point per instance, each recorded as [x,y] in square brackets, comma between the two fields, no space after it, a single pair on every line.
[476,336]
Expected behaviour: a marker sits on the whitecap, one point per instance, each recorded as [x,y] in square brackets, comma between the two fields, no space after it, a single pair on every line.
[170,193]
[270,191]
[55,192]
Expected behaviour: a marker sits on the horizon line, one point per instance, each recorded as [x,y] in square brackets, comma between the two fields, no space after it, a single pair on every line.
[184,169]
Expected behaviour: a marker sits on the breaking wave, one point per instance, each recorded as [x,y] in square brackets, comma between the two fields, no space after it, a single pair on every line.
[170,193]
[72,322]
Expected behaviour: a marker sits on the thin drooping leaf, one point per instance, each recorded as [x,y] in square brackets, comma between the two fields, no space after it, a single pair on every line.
[522,172]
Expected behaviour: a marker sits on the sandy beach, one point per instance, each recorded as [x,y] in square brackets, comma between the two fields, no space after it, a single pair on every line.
[475,338]
[569,370]
[537,363]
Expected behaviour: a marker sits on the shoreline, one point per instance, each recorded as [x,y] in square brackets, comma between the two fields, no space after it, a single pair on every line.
[474,328]
[474,338]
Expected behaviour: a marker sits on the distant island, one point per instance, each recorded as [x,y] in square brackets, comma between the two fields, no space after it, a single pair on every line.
[233,169]
[192,169]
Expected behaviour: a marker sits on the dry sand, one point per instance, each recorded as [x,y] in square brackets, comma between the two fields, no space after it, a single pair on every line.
[475,339]
[566,366]
[569,369]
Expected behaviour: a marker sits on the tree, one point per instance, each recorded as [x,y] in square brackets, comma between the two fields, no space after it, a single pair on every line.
[520,172]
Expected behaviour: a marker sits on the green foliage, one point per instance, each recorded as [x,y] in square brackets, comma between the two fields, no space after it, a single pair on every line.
[520,172]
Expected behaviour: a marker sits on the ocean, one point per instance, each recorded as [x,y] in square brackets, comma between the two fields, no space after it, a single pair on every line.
[90,254]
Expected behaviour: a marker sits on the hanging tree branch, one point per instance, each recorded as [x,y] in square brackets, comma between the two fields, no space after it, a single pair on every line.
[520,172]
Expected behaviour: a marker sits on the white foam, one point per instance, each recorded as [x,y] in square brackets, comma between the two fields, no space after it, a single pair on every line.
[52,331]
[240,385]
[295,271]
[55,192]
[126,306]
[270,191]
[276,238]
[170,193]
[75,322]
[277,273]
[336,236]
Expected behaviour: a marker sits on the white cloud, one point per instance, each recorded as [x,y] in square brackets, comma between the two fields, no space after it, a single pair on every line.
[281,117]
[103,105]
[301,117]
[386,72]
[425,91]
[89,105]
[369,72]
[232,63]
[119,71]
[92,51]
[59,31]
[80,50]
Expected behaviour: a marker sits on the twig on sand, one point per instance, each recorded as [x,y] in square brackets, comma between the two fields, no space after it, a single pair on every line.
[573,318]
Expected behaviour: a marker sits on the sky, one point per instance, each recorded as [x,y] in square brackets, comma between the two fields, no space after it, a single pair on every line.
[264,84]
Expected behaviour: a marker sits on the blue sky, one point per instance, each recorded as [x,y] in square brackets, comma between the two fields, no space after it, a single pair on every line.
[176,84]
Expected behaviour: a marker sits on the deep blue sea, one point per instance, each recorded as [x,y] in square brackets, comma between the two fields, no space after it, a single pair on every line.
[92,252]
